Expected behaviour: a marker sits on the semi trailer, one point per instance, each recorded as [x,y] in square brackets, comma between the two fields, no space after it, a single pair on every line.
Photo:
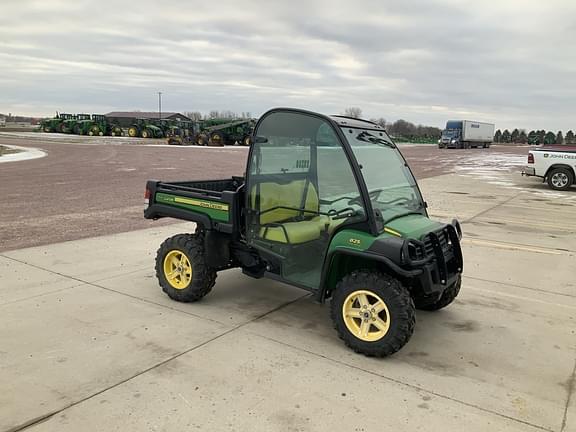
[465,134]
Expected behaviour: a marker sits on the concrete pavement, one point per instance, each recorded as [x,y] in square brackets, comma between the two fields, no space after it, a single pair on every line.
[89,342]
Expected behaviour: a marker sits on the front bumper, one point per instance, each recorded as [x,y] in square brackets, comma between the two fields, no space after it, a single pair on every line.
[443,263]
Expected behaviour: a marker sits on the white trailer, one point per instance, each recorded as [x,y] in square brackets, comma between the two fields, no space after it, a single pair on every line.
[466,134]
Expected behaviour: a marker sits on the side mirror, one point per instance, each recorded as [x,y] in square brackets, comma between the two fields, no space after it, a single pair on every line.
[260,139]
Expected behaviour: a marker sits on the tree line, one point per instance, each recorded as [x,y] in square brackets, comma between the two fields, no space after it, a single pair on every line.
[534,137]
[401,130]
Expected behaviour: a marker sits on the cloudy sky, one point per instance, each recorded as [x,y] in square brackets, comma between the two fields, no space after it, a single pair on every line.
[511,62]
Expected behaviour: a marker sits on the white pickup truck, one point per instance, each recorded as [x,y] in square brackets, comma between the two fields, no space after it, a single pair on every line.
[555,164]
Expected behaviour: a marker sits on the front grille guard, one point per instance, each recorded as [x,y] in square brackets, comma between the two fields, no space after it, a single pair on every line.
[439,253]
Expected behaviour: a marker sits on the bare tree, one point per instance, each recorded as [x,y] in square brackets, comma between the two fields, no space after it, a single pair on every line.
[213,114]
[193,115]
[353,112]
[379,121]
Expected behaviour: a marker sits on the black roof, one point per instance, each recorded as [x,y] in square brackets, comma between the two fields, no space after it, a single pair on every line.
[355,122]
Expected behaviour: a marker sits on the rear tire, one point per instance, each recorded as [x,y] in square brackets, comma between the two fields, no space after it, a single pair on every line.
[448,296]
[201,139]
[133,132]
[146,133]
[373,313]
[216,139]
[181,268]
[560,178]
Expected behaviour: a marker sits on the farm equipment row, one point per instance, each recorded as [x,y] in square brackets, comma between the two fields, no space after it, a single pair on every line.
[212,132]
[81,124]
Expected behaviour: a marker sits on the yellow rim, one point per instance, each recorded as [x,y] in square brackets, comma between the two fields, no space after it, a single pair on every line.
[366,315]
[177,269]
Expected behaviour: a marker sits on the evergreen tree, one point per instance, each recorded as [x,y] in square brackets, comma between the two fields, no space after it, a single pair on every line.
[569,139]
[533,138]
[550,138]
[514,136]
[522,138]
[498,136]
[506,136]
[559,138]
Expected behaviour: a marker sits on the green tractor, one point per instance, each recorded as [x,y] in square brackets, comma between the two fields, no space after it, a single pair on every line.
[220,132]
[68,123]
[101,126]
[181,133]
[329,205]
[145,129]
[52,124]
[82,124]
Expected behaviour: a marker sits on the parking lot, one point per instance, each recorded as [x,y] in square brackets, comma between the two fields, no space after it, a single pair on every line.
[89,342]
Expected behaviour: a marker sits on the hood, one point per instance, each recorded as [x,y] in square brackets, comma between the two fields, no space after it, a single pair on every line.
[412,226]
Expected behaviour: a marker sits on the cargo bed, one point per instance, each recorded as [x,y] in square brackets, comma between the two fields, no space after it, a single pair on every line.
[215,204]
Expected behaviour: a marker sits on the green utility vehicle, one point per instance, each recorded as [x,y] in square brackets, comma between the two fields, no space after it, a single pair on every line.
[329,205]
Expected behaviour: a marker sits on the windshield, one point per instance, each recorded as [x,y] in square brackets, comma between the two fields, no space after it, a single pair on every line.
[450,133]
[391,186]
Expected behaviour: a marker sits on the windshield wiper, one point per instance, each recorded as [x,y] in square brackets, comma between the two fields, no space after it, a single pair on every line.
[369,138]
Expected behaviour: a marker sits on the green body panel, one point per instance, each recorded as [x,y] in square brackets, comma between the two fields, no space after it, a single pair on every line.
[215,210]
[414,226]
[408,227]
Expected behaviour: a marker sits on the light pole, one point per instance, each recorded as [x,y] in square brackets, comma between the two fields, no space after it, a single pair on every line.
[159,105]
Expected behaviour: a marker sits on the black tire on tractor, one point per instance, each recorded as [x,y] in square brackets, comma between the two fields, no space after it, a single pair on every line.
[94,130]
[560,178]
[116,131]
[373,313]
[133,131]
[201,139]
[47,129]
[216,139]
[448,296]
[146,133]
[181,268]
[77,130]
[246,140]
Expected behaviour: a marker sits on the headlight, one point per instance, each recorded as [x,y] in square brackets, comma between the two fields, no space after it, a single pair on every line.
[453,141]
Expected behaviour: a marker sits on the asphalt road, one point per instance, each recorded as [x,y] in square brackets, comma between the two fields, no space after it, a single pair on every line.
[92,187]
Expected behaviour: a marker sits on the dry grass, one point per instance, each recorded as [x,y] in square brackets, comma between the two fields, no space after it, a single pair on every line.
[7,150]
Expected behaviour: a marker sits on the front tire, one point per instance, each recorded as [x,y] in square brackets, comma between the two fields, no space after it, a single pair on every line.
[560,178]
[181,268]
[448,296]
[373,313]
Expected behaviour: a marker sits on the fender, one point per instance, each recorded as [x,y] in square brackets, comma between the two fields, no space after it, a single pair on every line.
[383,261]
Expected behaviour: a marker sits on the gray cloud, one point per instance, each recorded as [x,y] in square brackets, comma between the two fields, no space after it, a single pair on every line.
[509,61]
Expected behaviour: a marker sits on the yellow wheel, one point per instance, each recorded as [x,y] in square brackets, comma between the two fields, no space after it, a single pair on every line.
[133,132]
[182,270]
[366,315]
[177,269]
[373,313]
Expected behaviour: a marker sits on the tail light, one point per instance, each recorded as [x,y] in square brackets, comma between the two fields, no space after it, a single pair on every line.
[530,158]
[147,196]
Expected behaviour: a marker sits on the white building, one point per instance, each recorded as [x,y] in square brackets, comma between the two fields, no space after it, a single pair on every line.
[2,121]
